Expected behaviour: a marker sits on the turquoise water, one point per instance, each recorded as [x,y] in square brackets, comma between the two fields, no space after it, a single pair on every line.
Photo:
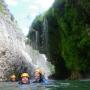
[53,85]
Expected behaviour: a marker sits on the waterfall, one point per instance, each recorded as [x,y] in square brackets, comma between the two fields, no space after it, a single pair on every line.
[45,34]
[36,59]
[39,43]
[40,61]
[12,47]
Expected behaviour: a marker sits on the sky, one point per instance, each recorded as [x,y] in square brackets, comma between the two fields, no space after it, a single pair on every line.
[25,11]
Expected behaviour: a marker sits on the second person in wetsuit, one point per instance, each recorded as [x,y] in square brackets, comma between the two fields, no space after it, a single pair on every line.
[39,77]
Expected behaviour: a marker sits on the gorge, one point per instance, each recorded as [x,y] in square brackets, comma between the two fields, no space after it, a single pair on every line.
[64,36]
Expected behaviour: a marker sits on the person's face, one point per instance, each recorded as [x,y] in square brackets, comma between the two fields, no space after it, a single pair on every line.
[13,79]
[37,75]
[25,80]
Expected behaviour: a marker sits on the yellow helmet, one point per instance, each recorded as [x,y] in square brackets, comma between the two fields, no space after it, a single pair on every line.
[13,76]
[25,75]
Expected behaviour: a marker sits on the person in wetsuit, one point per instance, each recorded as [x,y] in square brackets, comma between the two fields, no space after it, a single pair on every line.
[39,77]
[13,78]
[25,78]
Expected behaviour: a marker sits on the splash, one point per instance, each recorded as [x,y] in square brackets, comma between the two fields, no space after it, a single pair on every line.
[12,47]
[40,61]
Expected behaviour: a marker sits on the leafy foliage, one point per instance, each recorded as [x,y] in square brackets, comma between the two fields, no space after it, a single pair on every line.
[69,37]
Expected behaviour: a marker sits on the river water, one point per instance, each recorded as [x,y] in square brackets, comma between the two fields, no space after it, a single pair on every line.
[52,85]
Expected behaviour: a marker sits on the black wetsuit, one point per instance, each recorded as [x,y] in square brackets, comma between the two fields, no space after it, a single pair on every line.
[38,81]
[41,80]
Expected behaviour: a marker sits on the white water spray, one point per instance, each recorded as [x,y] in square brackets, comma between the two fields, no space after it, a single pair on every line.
[40,61]
[13,50]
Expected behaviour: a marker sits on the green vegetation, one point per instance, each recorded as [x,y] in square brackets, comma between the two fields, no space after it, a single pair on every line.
[3,8]
[5,11]
[68,37]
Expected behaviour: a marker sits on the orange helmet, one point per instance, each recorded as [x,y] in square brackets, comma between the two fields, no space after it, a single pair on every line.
[13,76]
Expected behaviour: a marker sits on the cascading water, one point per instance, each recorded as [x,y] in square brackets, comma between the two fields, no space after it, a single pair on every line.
[12,47]
[39,41]
[40,61]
